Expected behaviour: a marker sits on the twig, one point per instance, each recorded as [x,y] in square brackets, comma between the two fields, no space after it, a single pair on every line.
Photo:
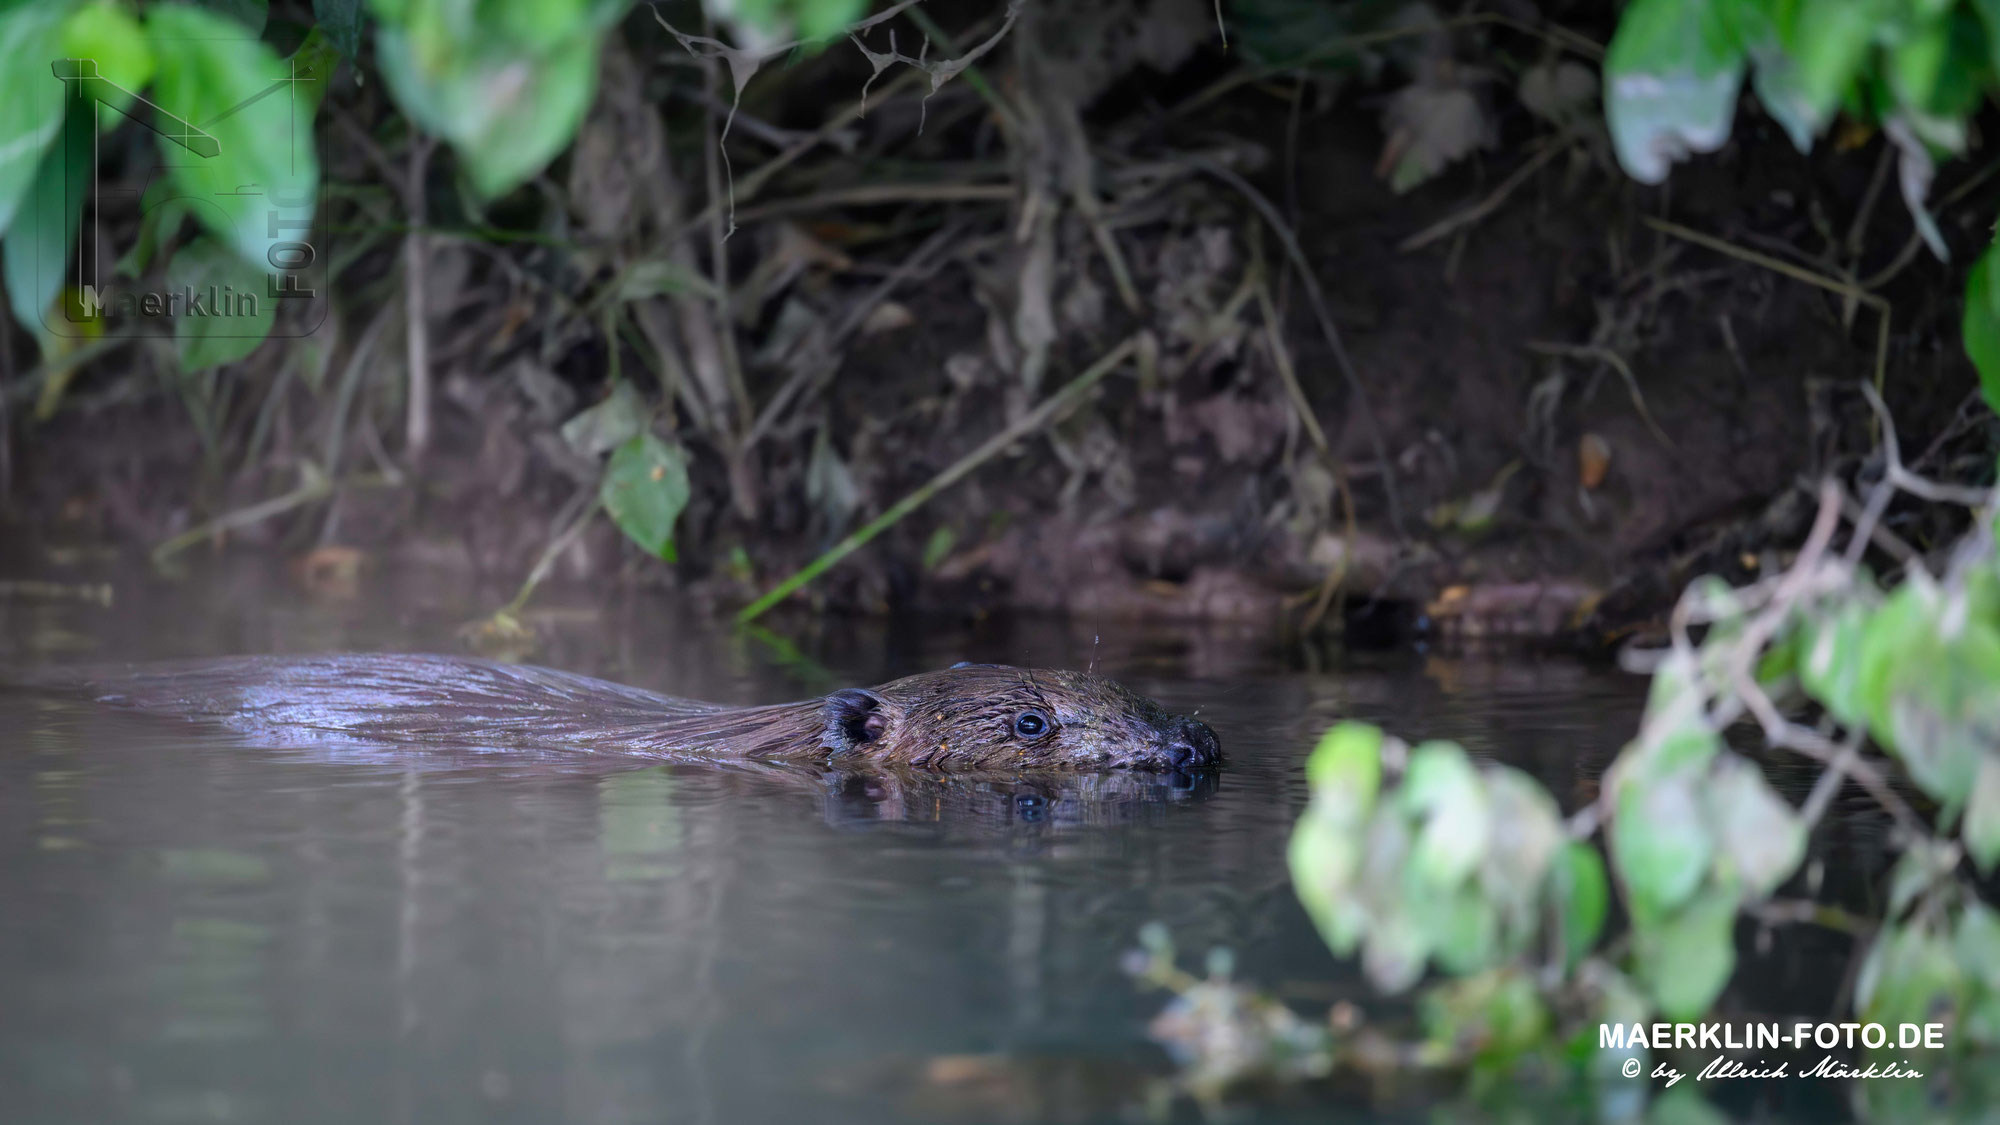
[1048,411]
[807,379]
[1798,273]
[313,485]
[1281,358]
[1552,33]
[1473,214]
[1318,300]
[1806,573]
[1003,109]
[31,590]
[1800,911]
[1909,251]
[1895,474]
[1858,231]
[1617,363]
[725,320]
[416,285]
[552,552]
[1868,528]
[870,195]
[1828,786]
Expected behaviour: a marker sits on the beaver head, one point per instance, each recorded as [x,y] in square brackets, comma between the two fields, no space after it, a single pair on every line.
[991,716]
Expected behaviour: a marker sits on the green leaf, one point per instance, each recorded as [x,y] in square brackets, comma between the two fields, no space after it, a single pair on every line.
[234,315]
[644,488]
[938,547]
[1671,77]
[31,98]
[1461,927]
[1345,770]
[1525,831]
[1828,41]
[1909,977]
[1444,790]
[507,113]
[607,425]
[1980,326]
[1976,943]
[1582,895]
[1989,18]
[259,188]
[1394,953]
[106,34]
[1498,1015]
[658,277]
[38,244]
[1937,69]
[1686,958]
[1982,814]
[1922,864]
[343,21]
[1323,860]
[1830,670]
[252,14]
[1761,836]
[1660,843]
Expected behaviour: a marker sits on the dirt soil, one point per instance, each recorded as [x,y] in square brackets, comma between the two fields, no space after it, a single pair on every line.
[1579,411]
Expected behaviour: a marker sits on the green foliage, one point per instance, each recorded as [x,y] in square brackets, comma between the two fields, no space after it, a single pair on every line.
[1451,864]
[644,488]
[202,65]
[507,82]
[1917,69]
[210,69]
[1422,862]
[30,104]
[237,324]
[1671,76]
[108,35]
[810,20]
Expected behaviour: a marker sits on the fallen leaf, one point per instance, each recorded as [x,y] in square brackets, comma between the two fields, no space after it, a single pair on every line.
[888,316]
[1429,127]
[332,571]
[1593,460]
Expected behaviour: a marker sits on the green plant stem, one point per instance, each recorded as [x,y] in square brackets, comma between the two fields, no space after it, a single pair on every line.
[1048,411]
[552,552]
[313,485]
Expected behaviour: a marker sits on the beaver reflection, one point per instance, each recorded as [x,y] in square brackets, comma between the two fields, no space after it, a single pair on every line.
[1054,800]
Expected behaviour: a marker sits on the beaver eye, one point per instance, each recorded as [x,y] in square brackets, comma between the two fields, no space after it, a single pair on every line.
[1031,724]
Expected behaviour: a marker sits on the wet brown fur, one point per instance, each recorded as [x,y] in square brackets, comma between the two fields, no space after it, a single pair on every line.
[960,718]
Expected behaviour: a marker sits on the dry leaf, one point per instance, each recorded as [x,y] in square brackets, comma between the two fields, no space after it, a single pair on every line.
[1429,127]
[1593,460]
[887,317]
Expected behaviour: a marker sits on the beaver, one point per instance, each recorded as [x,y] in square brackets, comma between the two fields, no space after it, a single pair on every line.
[969,716]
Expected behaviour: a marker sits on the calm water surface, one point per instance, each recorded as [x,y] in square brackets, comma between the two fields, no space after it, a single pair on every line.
[195,927]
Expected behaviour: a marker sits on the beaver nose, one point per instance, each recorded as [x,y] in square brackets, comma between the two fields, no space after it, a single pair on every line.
[1190,743]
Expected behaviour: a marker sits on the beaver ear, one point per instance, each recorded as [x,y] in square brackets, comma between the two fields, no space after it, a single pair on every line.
[854,717]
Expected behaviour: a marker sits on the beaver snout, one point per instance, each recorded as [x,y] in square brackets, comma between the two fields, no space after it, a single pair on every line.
[1191,744]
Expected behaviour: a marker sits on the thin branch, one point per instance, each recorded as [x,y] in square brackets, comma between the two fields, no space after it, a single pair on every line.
[1051,408]
[1617,363]
[1467,216]
[1847,289]
[1317,298]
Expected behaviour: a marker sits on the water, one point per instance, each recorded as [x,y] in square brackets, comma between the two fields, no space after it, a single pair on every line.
[194,927]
